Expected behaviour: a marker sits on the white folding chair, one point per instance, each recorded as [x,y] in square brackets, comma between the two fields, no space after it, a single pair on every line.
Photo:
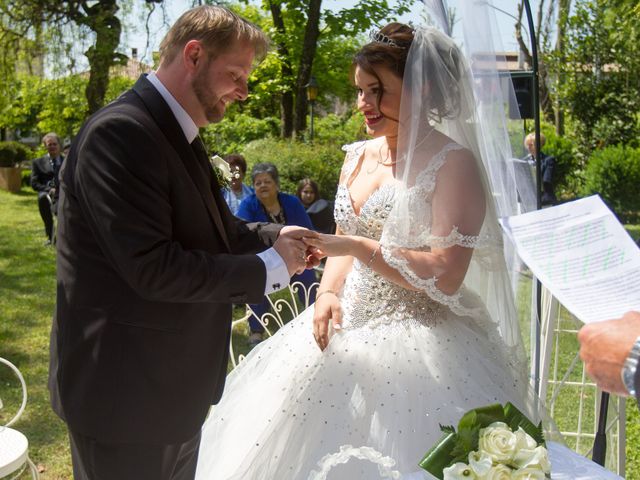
[284,305]
[14,446]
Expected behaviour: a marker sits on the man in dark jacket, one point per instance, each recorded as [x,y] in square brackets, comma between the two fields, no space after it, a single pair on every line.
[150,260]
[44,180]
[547,167]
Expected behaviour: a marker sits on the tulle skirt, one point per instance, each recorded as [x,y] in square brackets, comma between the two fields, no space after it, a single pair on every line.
[368,407]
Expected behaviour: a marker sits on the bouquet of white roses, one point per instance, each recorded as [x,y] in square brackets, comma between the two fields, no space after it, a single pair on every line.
[492,443]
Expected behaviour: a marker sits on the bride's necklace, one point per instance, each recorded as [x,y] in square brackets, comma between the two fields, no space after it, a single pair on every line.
[386,163]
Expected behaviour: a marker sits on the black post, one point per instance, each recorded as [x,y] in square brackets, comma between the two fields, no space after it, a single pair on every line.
[311,102]
[600,443]
[536,120]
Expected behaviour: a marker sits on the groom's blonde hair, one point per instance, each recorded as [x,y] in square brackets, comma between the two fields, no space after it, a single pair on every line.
[216,27]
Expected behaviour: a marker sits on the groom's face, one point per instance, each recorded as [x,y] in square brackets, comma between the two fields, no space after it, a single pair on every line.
[222,79]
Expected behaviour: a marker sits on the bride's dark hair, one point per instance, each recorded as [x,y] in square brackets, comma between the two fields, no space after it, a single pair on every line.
[389,48]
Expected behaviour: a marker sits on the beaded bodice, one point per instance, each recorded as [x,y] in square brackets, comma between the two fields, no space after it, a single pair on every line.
[369,299]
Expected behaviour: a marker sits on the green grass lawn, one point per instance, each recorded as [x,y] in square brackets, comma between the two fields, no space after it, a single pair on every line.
[27,296]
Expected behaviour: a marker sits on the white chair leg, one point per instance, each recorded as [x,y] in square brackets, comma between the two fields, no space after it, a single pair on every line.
[34,470]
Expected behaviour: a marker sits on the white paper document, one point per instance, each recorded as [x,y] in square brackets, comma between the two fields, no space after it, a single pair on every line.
[583,255]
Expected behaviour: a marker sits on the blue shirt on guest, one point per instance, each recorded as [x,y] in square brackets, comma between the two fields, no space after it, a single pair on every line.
[233,199]
[252,210]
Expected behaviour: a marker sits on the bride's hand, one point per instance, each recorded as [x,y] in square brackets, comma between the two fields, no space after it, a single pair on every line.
[331,245]
[327,309]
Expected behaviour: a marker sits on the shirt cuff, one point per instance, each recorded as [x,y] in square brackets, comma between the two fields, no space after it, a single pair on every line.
[277,273]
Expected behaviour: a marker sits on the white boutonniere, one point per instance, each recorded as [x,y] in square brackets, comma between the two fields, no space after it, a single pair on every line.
[222,171]
[223,166]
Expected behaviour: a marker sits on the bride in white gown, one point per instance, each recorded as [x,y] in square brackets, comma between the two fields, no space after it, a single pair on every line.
[414,323]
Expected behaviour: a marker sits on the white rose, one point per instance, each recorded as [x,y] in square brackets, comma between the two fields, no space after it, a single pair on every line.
[524,441]
[498,441]
[497,472]
[528,473]
[220,163]
[480,463]
[537,458]
[459,471]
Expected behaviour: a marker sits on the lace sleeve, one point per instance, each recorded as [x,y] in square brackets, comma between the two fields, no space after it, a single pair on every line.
[444,209]
[456,196]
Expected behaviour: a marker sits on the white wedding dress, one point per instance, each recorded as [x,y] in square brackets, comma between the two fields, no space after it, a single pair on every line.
[371,404]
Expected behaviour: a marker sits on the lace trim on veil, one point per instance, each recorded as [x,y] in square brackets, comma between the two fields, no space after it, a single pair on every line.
[428,285]
[455,238]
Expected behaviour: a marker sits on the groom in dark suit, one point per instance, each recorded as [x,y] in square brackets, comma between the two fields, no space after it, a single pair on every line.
[150,260]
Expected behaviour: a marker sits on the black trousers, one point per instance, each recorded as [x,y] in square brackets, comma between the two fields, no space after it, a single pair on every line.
[97,460]
[44,205]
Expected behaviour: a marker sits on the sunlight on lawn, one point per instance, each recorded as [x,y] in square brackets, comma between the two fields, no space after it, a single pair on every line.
[27,296]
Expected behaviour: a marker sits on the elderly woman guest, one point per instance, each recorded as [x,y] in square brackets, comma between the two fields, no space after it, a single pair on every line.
[237,191]
[320,211]
[268,204]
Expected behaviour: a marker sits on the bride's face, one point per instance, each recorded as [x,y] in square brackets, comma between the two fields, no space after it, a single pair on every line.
[381,117]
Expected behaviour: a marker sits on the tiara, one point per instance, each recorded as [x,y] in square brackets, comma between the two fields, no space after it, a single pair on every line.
[380,37]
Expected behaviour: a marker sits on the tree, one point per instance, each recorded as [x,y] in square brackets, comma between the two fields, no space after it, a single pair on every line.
[46,105]
[300,29]
[600,68]
[99,18]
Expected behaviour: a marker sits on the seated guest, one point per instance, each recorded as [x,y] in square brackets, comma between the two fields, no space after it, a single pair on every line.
[268,204]
[44,180]
[320,211]
[237,191]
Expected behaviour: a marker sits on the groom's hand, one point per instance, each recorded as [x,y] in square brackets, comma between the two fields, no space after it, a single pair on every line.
[293,250]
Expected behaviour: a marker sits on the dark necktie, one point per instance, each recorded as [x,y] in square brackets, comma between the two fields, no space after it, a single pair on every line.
[212,181]
[203,157]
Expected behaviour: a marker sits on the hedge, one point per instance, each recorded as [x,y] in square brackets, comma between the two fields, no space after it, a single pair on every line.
[296,160]
[13,153]
[614,174]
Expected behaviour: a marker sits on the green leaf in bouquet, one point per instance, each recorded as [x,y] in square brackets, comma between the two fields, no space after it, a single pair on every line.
[515,418]
[482,416]
[439,456]
[447,429]
[466,442]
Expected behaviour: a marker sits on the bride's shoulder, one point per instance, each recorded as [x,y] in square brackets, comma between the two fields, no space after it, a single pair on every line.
[355,147]
[454,152]
[353,151]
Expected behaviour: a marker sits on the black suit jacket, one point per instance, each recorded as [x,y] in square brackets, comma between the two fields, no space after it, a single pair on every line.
[44,174]
[150,260]
[547,175]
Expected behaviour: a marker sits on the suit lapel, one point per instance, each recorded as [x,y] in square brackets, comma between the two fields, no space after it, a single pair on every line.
[46,164]
[209,186]
[196,164]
